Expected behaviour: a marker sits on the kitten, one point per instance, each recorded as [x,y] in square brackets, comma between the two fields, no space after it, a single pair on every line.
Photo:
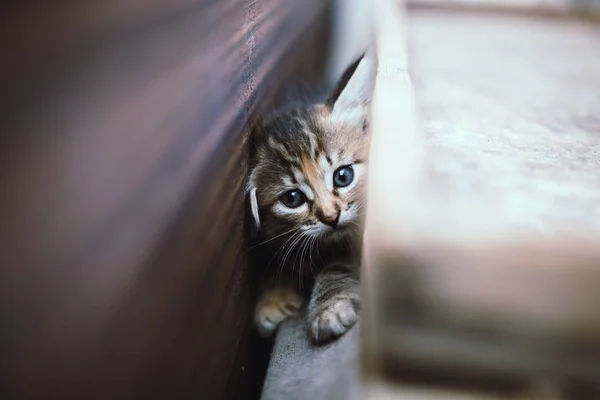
[307,188]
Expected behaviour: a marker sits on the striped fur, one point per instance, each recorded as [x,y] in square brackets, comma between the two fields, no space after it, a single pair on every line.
[312,251]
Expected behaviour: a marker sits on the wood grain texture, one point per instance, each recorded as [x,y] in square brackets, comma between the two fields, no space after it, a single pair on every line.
[122,158]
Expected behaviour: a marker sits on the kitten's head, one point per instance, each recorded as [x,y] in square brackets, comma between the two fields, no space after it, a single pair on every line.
[308,165]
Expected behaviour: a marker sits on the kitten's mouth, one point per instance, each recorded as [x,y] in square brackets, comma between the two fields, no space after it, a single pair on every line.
[342,228]
[337,232]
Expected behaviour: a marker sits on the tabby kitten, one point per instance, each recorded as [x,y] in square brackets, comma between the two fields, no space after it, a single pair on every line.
[307,190]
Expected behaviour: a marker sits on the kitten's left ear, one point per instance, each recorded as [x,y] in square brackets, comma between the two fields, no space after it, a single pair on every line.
[254,209]
[355,87]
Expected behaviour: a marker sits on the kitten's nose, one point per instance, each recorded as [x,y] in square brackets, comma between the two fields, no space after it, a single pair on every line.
[330,219]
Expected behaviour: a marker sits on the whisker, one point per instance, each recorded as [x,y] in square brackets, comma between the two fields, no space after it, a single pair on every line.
[300,252]
[282,247]
[297,253]
[292,239]
[313,240]
[273,238]
[292,246]
[306,248]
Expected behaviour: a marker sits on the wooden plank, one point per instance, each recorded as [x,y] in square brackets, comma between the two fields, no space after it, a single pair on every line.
[121,166]
[585,9]
[396,155]
[461,290]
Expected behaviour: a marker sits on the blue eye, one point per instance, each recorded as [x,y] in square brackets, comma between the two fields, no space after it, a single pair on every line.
[343,176]
[293,199]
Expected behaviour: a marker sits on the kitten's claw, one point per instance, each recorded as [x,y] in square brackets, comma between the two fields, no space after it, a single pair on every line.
[274,307]
[334,320]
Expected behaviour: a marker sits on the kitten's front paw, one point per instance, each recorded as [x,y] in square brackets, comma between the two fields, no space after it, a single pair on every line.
[334,319]
[275,306]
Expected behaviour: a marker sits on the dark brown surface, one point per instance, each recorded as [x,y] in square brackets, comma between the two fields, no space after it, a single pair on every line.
[121,165]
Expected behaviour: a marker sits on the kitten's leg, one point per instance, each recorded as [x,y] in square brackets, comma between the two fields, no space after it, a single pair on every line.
[275,306]
[334,303]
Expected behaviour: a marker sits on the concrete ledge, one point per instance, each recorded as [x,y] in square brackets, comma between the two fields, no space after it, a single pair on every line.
[299,370]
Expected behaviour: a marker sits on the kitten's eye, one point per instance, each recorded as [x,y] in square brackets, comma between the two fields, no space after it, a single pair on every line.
[343,176]
[293,199]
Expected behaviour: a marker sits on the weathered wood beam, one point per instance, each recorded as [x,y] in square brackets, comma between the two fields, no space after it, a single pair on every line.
[455,295]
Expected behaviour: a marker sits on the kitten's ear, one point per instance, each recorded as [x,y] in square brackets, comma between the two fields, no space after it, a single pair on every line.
[343,81]
[254,209]
[355,87]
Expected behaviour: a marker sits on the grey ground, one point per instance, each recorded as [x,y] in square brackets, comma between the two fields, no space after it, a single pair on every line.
[510,106]
[298,370]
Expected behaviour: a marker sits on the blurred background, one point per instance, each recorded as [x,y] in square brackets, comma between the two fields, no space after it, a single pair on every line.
[123,256]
